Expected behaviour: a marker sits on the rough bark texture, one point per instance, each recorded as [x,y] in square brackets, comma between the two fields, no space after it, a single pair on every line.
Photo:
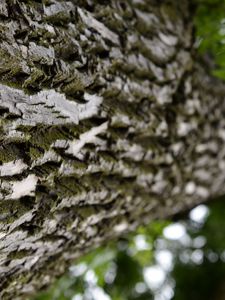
[104,124]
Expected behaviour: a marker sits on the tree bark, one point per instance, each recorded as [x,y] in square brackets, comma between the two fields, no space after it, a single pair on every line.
[106,122]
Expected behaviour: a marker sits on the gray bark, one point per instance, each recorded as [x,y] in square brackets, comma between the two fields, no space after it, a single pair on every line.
[105,123]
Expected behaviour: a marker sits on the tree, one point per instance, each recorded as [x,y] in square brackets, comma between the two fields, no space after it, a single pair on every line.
[109,119]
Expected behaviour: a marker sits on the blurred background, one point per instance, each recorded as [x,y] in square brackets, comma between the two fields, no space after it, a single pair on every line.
[182,259]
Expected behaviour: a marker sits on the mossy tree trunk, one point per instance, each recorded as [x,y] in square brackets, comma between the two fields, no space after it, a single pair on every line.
[106,121]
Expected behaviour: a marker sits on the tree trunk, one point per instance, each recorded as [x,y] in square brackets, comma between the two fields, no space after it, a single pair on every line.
[106,123]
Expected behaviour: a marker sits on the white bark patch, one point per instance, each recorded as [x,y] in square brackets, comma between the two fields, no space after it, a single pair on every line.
[41,54]
[120,227]
[202,192]
[27,217]
[85,138]
[222,134]
[12,168]
[31,262]
[47,107]
[3,9]
[168,39]
[91,108]
[98,26]
[163,94]
[2,235]
[25,187]
[190,188]
[55,9]
[184,128]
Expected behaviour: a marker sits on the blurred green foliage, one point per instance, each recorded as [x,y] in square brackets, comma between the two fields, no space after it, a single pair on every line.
[118,271]
[118,268]
[202,280]
[210,29]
